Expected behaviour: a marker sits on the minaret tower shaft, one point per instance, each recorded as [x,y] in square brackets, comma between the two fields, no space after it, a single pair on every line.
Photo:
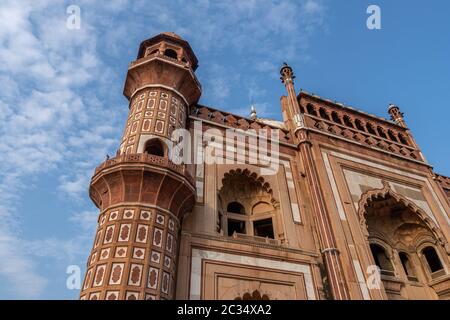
[142,195]
[328,246]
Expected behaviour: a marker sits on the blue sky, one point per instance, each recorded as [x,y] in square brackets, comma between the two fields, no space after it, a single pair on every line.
[62,108]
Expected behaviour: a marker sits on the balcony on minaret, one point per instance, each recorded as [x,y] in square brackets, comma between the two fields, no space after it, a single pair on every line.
[165,60]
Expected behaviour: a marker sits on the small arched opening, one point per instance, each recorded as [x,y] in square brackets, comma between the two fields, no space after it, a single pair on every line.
[235,207]
[348,121]
[432,258]
[154,147]
[370,128]
[170,53]
[335,117]
[381,258]
[311,110]
[359,125]
[407,266]
[402,139]
[392,135]
[324,114]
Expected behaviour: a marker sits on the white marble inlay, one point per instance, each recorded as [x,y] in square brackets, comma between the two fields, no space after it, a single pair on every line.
[397,171]
[296,213]
[361,280]
[337,199]
[198,255]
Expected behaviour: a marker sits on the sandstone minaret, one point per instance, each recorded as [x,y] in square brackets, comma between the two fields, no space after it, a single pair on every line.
[328,246]
[142,195]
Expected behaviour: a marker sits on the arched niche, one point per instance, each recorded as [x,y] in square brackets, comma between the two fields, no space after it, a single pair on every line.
[248,205]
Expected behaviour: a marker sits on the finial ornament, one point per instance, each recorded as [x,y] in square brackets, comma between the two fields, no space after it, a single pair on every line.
[253,112]
[287,75]
[396,114]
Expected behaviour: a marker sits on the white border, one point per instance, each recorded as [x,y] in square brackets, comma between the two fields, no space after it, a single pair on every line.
[199,254]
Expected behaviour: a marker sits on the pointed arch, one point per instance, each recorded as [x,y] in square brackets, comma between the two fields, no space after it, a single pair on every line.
[376,194]
[255,295]
[257,183]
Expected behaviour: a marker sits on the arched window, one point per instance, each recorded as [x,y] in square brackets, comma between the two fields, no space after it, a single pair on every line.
[263,228]
[381,132]
[381,258]
[324,114]
[402,139]
[263,224]
[311,110]
[434,263]
[236,207]
[359,125]
[248,207]
[170,53]
[154,147]
[348,121]
[335,117]
[392,135]
[370,128]
[236,224]
[406,263]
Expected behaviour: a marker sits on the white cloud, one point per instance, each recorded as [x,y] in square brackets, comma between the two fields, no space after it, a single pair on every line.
[57,111]
[41,110]
[86,219]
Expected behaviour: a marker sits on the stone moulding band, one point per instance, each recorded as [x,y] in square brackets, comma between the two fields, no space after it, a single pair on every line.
[360,144]
[136,64]
[229,127]
[138,204]
[159,86]
[145,159]
[198,255]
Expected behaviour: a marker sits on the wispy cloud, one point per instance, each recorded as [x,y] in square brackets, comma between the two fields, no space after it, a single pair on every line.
[61,110]
[45,119]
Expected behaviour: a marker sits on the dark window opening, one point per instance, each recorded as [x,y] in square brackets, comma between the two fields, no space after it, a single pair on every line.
[170,53]
[406,264]
[381,132]
[154,51]
[263,228]
[235,226]
[370,129]
[348,121]
[235,207]
[359,125]
[323,114]
[154,147]
[432,259]
[392,136]
[380,257]
[311,109]
[335,117]
[402,139]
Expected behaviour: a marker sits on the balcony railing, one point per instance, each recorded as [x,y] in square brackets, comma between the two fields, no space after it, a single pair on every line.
[146,159]
[256,239]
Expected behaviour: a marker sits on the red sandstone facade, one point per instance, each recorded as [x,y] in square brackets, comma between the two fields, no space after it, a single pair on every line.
[352,191]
